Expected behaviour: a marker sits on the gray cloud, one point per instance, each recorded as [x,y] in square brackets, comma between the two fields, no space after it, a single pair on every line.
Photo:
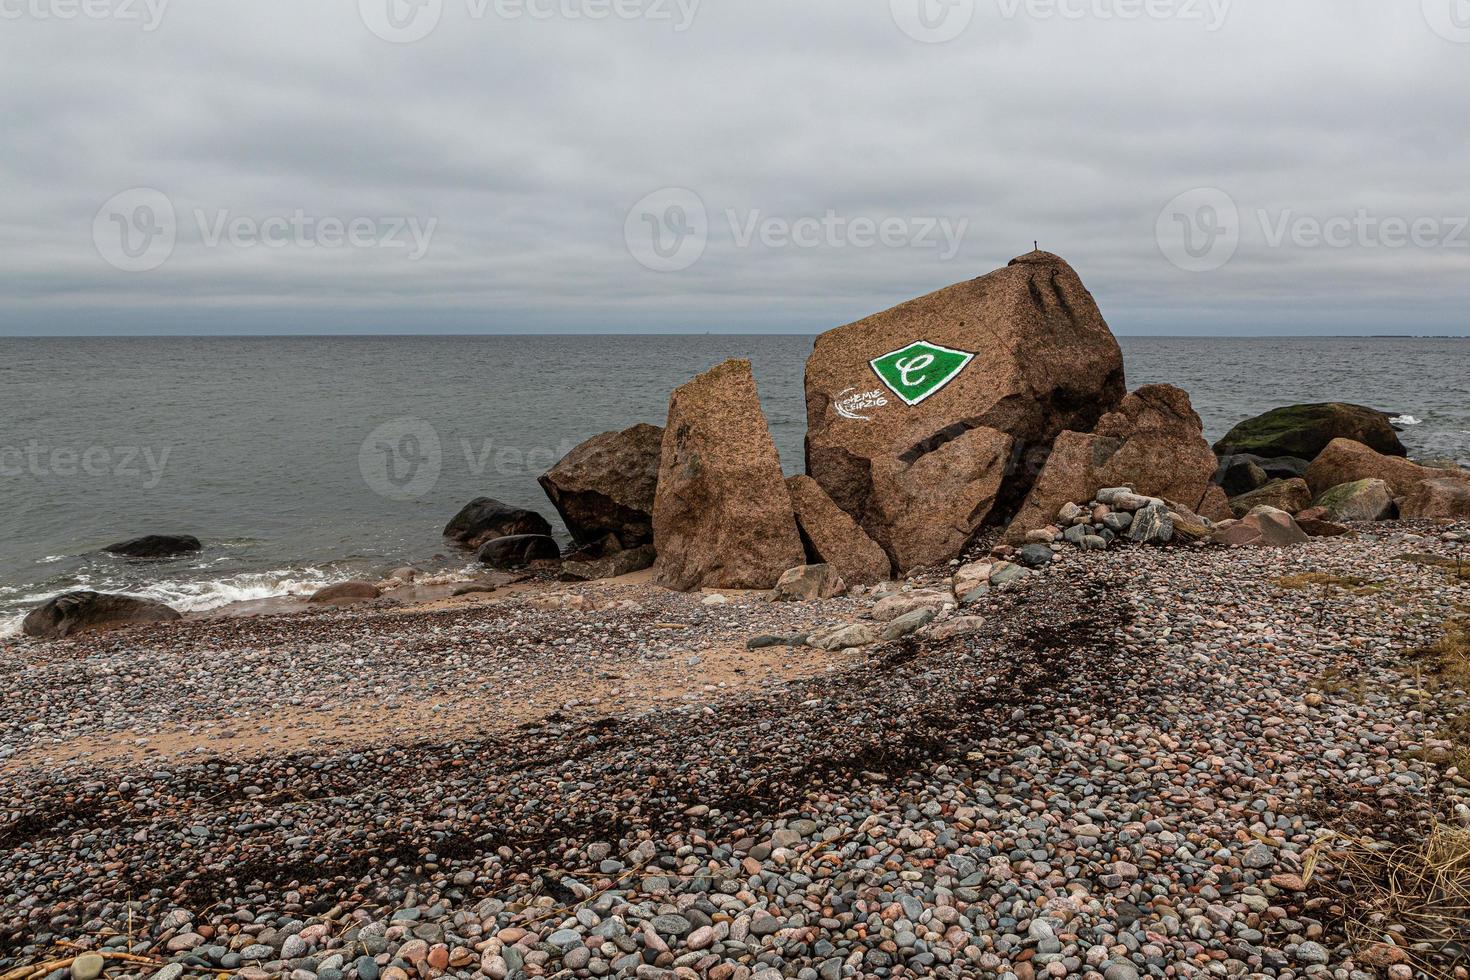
[527,141]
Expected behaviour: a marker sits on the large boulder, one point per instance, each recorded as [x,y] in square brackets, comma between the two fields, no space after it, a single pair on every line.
[486,518]
[345,592]
[1441,497]
[518,550]
[1361,500]
[915,414]
[1289,495]
[833,538]
[1305,430]
[155,546]
[1346,461]
[722,517]
[809,582]
[82,612]
[1153,443]
[606,486]
[1264,527]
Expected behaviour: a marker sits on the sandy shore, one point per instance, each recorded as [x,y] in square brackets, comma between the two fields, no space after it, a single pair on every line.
[1126,771]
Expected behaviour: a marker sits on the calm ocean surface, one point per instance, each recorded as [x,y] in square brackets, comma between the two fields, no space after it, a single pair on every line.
[273,451]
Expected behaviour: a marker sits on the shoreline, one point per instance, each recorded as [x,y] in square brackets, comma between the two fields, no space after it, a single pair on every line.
[1189,683]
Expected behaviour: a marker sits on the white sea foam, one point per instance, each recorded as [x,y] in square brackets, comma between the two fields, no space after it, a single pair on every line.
[1406,420]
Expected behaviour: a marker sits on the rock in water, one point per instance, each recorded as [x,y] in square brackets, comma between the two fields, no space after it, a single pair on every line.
[1305,430]
[722,517]
[606,486]
[485,518]
[833,538]
[80,612]
[1289,495]
[1443,497]
[810,582]
[345,592]
[518,550]
[1153,443]
[1346,461]
[1361,500]
[155,546]
[913,414]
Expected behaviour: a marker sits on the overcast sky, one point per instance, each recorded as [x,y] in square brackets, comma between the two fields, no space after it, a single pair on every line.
[1259,167]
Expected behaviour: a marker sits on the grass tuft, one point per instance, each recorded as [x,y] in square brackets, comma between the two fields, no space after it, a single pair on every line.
[1320,580]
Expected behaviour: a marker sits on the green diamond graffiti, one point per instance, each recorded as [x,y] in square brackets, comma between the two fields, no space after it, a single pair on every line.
[919,370]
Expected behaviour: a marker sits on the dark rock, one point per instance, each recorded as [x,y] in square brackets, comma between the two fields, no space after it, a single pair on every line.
[485,518]
[606,486]
[1035,556]
[1008,361]
[1305,430]
[518,550]
[1241,474]
[81,612]
[345,592]
[613,565]
[1289,495]
[155,546]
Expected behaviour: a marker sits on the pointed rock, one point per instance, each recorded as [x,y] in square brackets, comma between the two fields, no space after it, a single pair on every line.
[1017,356]
[722,517]
[834,538]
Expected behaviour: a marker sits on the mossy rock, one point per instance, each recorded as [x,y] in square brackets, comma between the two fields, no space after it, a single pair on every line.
[1363,500]
[1304,431]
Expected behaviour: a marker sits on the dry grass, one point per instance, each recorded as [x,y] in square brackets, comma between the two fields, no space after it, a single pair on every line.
[1417,892]
[1456,568]
[1324,580]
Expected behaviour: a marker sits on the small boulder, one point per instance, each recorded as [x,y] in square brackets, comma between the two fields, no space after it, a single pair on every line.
[518,550]
[1444,497]
[809,582]
[607,486]
[968,578]
[1033,556]
[485,518]
[1361,500]
[613,565]
[1240,474]
[908,623]
[891,607]
[722,516]
[1153,524]
[82,612]
[953,628]
[1264,527]
[1306,430]
[1345,461]
[404,574]
[834,538]
[344,592]
[1289,495]
[155,546]
[844,638]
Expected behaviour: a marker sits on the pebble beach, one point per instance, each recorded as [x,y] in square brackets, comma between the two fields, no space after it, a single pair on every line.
[1139,762]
